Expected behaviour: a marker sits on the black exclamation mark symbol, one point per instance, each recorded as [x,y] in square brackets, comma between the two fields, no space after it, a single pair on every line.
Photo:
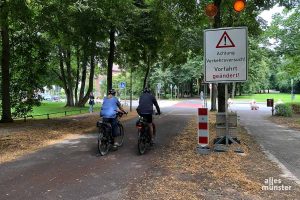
[225,40]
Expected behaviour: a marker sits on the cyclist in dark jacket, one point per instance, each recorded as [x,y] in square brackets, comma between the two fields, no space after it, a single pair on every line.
[145,108]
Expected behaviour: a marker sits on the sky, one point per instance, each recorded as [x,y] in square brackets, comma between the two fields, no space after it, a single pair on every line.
[267,14]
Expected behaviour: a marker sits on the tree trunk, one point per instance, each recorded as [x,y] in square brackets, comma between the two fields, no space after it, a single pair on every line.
[82,101]
[63,74]
[131,92]
[147,72]
[69,76]
[213,91]
[6,106]
[111,57]
[198,86]
[221,97]
[236,89]
[217,24]
[77,76]
[221,86]
[233,90]
[191,88]
[83,75]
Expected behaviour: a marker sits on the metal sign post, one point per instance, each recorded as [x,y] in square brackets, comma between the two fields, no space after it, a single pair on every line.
[225,61]
[205,96]
[131,92]
[122,85]
[176,92]
[171,87]
[292,90]
[226,114]
[125,97]
[158,90]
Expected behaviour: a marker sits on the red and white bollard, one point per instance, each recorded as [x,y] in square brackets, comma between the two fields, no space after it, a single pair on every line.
[203,133]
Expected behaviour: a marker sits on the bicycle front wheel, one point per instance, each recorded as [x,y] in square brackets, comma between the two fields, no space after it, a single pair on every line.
[103,142]
[120,139]
[141,143]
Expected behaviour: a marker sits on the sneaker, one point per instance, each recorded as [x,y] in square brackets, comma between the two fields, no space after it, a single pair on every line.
[115,145]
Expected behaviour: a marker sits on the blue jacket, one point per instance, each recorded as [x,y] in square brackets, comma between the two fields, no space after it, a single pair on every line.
[109,107]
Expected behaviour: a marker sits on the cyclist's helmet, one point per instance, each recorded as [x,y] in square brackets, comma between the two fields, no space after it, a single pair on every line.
[112,92]
[146,90]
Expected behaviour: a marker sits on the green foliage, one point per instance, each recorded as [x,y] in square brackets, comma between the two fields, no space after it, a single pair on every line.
[284,31]
[258,71]
[24,106]
[28,59]
[167,36]
[283,110]
[57,109]
[295,107]
[285,97]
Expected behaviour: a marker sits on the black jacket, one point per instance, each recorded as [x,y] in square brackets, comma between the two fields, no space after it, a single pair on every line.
[146,103]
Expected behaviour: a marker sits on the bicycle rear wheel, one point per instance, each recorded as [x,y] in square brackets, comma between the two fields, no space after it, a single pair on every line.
[141,143]
[120,139]
[103,141]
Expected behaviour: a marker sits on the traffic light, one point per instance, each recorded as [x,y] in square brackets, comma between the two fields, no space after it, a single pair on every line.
[239,5]
[211,10]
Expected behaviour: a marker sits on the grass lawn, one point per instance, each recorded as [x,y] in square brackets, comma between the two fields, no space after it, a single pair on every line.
[59,108]
[263,97]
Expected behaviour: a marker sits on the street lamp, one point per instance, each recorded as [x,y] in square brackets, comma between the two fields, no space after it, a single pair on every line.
[292,89]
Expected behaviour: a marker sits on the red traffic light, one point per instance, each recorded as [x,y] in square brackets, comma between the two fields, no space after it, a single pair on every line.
[239,5]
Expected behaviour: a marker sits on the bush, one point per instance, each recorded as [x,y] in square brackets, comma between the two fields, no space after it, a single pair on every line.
[295,108]
[283,110]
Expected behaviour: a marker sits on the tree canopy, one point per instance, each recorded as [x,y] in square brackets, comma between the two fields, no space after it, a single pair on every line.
[68,43]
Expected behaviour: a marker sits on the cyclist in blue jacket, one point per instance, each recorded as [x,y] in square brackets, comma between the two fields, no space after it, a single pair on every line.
[109,109]
[145,108]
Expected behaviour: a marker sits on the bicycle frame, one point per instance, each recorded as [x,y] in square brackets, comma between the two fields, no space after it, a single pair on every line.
[106,138]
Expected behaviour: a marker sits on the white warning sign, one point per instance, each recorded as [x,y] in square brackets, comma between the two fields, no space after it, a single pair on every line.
[226,54]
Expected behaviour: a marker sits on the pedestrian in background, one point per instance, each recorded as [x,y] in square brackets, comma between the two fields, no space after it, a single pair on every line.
[91,102]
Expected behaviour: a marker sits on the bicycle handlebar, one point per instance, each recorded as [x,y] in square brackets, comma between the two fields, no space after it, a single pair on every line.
[121,113]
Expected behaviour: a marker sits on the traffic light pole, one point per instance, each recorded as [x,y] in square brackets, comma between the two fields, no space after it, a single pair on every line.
[222,93]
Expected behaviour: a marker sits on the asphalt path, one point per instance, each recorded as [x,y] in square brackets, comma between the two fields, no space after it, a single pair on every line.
[281,144]
[72,170]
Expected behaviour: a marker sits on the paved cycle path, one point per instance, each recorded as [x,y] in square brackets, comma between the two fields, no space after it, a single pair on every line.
[71,169]
[281,144]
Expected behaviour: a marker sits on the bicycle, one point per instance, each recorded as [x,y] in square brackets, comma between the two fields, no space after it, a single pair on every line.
[105,137]
[144,138]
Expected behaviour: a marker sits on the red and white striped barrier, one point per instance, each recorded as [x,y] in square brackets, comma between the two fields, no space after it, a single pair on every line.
[203,136]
